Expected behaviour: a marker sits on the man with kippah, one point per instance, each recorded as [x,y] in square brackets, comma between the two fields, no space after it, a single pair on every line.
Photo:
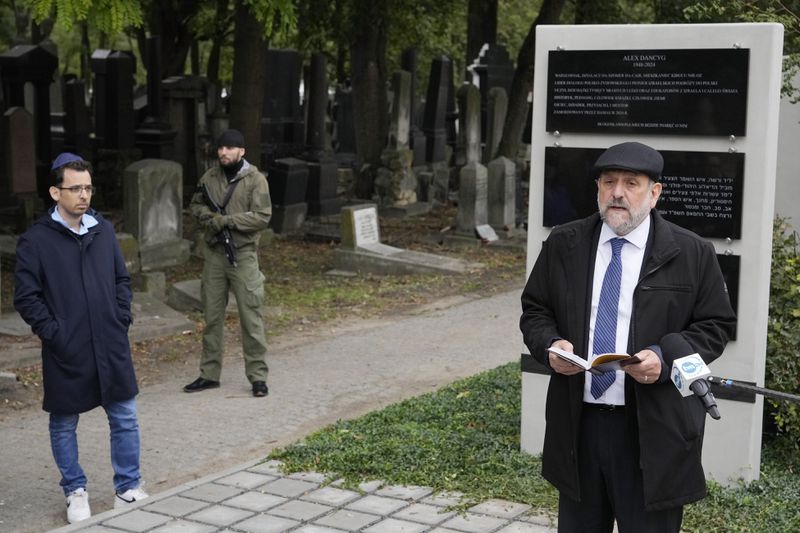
[624,445]
[241,193]
[72,288]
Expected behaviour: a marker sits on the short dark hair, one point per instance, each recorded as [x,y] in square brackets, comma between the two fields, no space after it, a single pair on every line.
[80,165]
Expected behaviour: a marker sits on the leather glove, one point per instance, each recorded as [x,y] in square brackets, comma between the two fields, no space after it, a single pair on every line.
[217,222]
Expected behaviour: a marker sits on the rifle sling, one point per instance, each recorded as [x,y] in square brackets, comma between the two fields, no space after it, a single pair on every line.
[228,193]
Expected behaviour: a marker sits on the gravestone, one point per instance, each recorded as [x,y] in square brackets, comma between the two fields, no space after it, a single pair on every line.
[473,215]
[154,137]
[495,119]
[322,174]
[344,127]
[416,141]
[472,199]
[288,181]
[18,180]
[492,68]
[469,131]
[502,191]
[56,98]
[436,184]
[77,119]
[361,249]
[396,184]
[435,110]
[113,98]
[24,67]
[153,212]
[19,154]
[114,119]
[282,115]
[184,97]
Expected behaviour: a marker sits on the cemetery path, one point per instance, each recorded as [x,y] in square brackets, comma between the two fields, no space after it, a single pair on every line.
[317,376]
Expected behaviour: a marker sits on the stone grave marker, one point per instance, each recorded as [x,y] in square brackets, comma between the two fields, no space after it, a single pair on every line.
[153,203]
[495,119]
[473,176]
[416,141]
[502,190]
[288,180]
[396,183]
[361,249]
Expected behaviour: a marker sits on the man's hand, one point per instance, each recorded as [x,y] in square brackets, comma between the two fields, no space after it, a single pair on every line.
[205,217]
[216,223]
[561,366]
[647,371]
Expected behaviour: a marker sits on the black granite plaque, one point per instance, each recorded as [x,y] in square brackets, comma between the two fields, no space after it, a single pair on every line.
[702,191]
[681,92]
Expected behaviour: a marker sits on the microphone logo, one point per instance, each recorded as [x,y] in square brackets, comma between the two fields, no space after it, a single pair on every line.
[677,379]
[690,367]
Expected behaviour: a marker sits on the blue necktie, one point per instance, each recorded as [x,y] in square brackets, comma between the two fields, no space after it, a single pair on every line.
[605,325]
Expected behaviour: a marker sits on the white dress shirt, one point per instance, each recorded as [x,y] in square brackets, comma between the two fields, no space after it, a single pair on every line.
[632,255]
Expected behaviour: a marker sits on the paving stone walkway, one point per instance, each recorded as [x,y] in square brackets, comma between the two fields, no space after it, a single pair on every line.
[258,498]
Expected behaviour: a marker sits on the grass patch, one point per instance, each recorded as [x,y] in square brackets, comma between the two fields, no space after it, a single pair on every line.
[465,437]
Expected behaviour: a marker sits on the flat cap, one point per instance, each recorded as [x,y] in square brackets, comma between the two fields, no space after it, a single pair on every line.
[63,159]
[231,138]
[633,156]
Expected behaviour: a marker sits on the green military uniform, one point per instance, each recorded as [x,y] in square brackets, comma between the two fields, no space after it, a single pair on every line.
[247,213]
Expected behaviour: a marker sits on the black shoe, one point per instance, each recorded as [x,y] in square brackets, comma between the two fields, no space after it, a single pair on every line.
[260,389]
[201,384]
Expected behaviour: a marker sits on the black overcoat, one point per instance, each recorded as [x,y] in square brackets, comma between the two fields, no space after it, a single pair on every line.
[681,293]
[74,291]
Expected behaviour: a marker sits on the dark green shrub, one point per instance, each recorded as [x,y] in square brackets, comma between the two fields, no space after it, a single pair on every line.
[783,334]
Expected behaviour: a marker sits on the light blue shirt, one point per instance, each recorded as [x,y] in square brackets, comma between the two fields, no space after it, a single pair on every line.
[87,221]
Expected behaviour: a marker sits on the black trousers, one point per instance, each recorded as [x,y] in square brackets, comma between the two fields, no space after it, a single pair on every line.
[611,482]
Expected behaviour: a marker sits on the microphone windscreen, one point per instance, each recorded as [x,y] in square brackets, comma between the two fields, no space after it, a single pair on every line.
[674,346]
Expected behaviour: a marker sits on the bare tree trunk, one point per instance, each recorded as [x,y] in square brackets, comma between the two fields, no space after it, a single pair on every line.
[217,40]
[481,27]
[86,56]
[549,13]
[249,77]
[368,69]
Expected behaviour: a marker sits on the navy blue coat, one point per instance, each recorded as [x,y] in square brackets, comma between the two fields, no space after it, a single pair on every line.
[74,291]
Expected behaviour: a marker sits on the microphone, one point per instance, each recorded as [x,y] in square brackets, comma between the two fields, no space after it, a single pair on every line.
[689,373]
[689,377]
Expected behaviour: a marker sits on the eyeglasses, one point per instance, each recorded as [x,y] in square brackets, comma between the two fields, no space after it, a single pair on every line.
[77,189]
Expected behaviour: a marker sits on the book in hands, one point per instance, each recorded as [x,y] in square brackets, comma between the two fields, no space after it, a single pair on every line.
[602,363]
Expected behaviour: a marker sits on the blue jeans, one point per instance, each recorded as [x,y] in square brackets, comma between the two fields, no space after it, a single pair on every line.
[124,447]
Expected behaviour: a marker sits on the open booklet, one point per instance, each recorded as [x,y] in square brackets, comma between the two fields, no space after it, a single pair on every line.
[602,363]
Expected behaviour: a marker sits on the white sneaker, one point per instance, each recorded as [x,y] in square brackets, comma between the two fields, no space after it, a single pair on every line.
[129,497]
[78,506]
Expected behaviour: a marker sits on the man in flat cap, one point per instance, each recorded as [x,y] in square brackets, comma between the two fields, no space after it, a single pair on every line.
[72,288]
[232,206]
[624,445]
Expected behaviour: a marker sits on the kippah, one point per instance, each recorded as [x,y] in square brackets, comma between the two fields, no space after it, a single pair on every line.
[231,138]
[65,158]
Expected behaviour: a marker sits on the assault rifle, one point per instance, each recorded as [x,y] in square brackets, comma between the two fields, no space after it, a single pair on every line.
[224,236]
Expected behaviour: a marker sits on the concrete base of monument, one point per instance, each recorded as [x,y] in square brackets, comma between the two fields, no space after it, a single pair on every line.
[151,319]
[387,260]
